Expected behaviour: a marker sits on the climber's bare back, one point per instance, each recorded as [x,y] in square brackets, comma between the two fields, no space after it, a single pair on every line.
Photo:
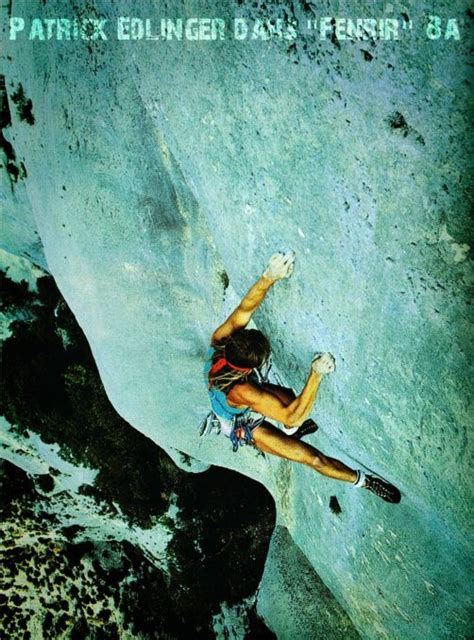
[249,394]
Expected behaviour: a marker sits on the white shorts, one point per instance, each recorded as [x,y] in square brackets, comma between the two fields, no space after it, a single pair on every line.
[227,425]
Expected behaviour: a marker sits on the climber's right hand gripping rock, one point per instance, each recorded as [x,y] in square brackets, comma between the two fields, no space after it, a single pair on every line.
[323,363]
[280,265]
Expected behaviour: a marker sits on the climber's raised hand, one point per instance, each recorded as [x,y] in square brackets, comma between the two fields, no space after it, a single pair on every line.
[280,265]
[323,363]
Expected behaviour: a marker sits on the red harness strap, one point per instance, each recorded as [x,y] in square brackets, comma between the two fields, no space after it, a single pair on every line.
[222,362]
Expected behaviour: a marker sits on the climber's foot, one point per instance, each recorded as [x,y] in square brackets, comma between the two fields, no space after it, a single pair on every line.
[309,426]
[382,489]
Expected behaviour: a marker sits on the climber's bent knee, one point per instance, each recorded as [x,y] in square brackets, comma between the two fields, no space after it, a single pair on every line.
[319,462]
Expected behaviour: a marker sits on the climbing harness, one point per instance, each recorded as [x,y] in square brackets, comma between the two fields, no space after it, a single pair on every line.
[241,422]
[241,427]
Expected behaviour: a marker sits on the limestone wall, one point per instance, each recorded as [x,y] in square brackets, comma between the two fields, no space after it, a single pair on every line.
[160,172]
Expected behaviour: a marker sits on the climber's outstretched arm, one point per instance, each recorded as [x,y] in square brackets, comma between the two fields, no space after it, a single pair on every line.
[294,413]
[280,266]
[269,405]
[240,317]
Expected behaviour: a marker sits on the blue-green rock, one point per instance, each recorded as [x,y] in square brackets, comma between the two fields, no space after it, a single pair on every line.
[158,172]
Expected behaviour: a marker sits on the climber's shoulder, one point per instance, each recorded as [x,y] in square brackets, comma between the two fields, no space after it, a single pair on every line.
[237,320]
[216,343]
[221,333]
[245,392]
[261,400]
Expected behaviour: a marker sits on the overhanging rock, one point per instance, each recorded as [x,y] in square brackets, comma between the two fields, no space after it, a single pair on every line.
[189,167]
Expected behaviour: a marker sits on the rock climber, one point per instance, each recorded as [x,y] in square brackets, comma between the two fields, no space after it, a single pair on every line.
[241,401]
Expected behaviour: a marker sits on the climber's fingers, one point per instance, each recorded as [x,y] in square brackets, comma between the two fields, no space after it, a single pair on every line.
[280,265]
[323,363]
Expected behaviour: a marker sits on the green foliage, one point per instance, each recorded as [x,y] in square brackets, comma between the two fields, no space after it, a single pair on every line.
[15,295]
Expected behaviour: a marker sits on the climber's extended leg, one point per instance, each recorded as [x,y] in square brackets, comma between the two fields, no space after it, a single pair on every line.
[272,440]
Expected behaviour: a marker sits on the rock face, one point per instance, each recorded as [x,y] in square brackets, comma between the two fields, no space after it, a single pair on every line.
[95,479]
[161,175]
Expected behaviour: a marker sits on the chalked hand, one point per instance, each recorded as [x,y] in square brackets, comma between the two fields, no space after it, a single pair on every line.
[280,265]
[323,363]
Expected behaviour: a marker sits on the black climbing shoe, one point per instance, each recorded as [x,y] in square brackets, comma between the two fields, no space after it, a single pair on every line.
[382,489]
[308,426]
